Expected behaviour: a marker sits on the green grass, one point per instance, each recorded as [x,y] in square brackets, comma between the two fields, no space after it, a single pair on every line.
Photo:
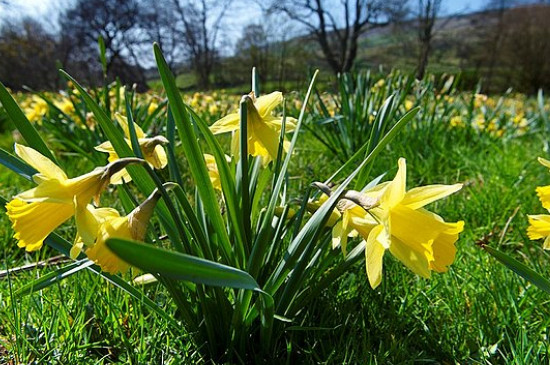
[479,312]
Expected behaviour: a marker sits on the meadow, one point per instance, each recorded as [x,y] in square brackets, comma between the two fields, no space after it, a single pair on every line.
[478,312]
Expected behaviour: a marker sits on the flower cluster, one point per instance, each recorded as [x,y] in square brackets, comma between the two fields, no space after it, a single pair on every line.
[35,213]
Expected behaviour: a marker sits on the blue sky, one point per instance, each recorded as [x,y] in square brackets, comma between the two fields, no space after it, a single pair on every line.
[42,7]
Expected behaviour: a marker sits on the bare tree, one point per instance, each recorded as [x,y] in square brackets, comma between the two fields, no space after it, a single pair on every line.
[159,22]
[199,25]
[28,55]
[428,11]
[115,21]
[337,26]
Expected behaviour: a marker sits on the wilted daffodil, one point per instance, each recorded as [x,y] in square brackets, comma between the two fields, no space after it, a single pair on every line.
[151,148]
[263,128]
[104,223]
[35,213]
[394,219]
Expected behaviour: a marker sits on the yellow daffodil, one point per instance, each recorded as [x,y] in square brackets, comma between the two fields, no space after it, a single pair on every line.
[104,223]
[36,109]
[35,213]
[390,218]
[151,148]
[213,170]
[539,225]
[263,128]
[544,191]
[152,107]
[421,240]
[65,105]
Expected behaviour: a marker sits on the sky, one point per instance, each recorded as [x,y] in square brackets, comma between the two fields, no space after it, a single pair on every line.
[242,14]
[41,8]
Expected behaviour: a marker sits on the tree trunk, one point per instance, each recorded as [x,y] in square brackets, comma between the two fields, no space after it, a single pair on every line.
[423,59]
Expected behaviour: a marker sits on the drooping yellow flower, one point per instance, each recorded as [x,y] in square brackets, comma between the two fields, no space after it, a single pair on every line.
[151,148]
[420,239]
[104,223]
[35,213]
[213,170]
[394,219]
[263,128]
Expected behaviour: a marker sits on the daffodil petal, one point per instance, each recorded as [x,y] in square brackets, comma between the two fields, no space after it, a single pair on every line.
[544,162]
[123,122]
[158,158]
[86,223]
[539,227]
[374,255]
[228,123]
[106,147]
[421,196]
[235,143]
[266,103]
[395,190]
[41,163]
[76,249]
[543,193]
[337,233]
[276,122]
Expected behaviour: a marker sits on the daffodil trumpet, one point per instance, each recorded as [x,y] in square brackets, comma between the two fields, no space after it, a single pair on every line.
[102,224]
[35,213]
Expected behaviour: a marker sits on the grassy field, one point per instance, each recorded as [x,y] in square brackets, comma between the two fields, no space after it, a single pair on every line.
[479,312]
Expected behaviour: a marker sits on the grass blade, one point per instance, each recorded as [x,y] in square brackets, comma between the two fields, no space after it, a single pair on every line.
[521,269]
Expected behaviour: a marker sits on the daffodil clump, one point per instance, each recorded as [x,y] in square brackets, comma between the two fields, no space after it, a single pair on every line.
[230,222]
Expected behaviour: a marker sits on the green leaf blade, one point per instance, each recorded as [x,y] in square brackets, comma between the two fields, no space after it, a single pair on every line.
[180,266]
